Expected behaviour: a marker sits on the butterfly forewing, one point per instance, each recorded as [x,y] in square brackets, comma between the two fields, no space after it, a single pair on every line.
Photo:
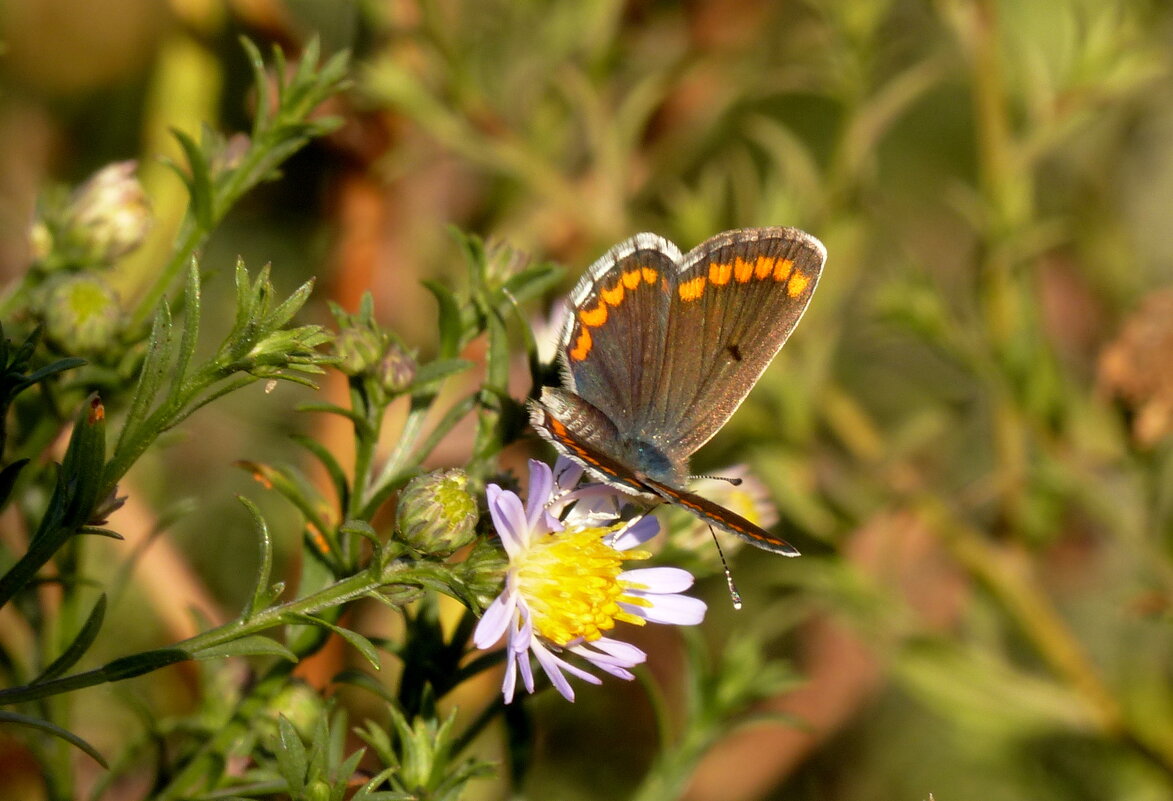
[736,300]
[613,340]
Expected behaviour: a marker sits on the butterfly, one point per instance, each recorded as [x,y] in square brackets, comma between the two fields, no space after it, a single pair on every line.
[660,348]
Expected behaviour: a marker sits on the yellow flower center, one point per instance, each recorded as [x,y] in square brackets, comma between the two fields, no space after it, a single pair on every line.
[570,582]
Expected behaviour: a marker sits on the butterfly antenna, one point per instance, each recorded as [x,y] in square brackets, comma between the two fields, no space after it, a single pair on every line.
[734,595]
[734,480]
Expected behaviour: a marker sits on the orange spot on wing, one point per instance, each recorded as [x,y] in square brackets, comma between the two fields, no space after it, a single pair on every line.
[631,278]
[614,295]
[742,270]
[783,269]
[764,267]
[582,345]
[797,284]
[594,317]
[649,275]
[720,274]
[692,289]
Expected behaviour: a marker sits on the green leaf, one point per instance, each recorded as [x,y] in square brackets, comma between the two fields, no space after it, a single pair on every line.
[438,370]
[533,282]
[261,587]
[199,181]
[81,643]
[8,478]
[59,366]
[85,457]
[191,327]
[264,102]
[56,731]
[360,643]
[451,321]
[151,373]
[253,645]
[291,755]
[333,468]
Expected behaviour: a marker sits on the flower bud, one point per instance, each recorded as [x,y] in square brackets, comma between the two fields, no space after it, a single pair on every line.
[436,513]
[358,349]
[82,314]
[396,370]
[109,214]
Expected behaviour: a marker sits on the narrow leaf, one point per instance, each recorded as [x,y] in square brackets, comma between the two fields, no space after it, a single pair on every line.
[291,755]
[360,643]
[253,645]
[261,587]
[450,319]
[8,478]
[81,643]
[200,187]
[438,370]
[333,468]
[56,731]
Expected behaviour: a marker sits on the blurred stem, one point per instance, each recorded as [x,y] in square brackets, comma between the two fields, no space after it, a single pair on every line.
[1007,208]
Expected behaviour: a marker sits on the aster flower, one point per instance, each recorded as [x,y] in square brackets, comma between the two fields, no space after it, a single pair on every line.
[566,588]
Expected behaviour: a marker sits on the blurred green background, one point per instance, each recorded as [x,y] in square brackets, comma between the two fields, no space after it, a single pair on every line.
[968,436]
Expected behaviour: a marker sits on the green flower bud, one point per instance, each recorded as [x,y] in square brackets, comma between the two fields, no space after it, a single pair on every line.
[358,349]
[82,314]
[396,370]
[436,513]
[318,790]
[109,214]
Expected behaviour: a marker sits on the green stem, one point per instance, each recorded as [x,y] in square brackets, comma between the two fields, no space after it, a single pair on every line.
[336,594]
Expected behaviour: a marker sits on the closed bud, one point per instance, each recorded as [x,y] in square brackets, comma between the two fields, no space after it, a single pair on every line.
[82,314]
[109,215]
[396,370]
[358,349]
[437,514]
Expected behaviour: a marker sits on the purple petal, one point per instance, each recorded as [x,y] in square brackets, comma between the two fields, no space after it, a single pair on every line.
[527,672]
[541,483]
[620,650]
[658,579]
[679,610]
[509,520]
[510,683]
[495,620]
[567,472]
[603,662]
[552,666]
[637,533]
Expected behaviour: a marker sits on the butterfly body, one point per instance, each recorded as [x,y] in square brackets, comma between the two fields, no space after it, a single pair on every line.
[659,349]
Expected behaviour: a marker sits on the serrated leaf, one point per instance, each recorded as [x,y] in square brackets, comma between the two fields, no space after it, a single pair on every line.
[253,645]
